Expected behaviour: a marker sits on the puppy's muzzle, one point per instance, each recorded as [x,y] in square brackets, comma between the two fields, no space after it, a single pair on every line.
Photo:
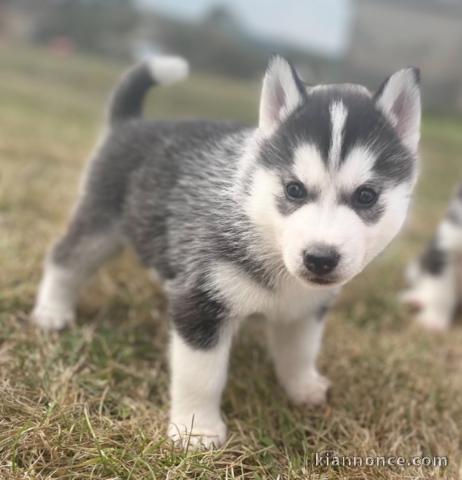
[321,260]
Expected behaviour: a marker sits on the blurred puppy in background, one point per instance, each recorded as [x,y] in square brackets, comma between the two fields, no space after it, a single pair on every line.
[435,278]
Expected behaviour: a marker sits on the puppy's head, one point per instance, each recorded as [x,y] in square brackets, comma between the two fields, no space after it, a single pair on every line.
[334,170]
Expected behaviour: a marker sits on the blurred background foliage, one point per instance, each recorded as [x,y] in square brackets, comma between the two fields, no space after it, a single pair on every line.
[334,40]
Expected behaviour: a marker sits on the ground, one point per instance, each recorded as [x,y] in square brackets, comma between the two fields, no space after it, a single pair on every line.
[92,401]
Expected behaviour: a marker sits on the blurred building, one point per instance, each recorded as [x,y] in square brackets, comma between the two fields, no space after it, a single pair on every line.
[389,34]
[18,19]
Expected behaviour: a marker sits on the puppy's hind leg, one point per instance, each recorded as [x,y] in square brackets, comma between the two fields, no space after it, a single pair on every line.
[91,238]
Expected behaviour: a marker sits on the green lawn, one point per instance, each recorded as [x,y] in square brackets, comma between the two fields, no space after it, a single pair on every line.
[92,402]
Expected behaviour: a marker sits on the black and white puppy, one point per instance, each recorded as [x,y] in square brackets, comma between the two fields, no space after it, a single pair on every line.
[237,221]
[435,278]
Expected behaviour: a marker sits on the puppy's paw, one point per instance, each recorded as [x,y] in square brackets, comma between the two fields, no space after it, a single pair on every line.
[433,322]
[412,301]
[310,390]
[199,437]
[52,317]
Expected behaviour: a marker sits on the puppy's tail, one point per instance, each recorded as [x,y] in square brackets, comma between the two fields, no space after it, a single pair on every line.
[128,97]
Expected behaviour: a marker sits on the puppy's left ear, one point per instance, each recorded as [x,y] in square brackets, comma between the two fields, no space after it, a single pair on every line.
[399,99]
[282,92]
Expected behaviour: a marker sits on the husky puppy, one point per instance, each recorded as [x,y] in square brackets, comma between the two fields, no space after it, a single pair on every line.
[237,221]
[435,278]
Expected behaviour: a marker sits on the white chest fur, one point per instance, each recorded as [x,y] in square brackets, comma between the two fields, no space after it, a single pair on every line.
[291,301]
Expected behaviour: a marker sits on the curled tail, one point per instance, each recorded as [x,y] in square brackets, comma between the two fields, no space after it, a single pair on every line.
[128,97]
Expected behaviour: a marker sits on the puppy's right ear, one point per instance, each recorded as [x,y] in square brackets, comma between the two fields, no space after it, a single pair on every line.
[282,92]
[399,99]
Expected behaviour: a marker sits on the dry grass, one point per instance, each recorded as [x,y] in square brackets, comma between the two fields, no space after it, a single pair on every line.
[92,402]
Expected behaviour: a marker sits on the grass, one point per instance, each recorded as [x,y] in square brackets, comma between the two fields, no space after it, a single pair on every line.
[91,402]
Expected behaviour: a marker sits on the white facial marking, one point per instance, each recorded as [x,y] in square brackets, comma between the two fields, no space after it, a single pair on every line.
[338,116]
[265,186]
[309,166]
[357,168]
[329,223]
[378,236]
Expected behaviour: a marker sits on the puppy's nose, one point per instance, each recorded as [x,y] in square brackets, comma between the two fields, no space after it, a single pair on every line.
[321,260]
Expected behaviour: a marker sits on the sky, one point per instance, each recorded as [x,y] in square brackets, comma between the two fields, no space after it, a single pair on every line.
[314,24]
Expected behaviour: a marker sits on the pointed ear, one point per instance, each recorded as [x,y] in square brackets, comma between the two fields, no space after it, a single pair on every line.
[399,99]
[282,92]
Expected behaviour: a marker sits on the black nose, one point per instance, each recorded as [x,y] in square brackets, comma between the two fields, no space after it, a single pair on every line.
[321,261]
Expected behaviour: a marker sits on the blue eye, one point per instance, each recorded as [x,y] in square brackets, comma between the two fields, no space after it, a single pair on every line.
[365,197]
[295,191]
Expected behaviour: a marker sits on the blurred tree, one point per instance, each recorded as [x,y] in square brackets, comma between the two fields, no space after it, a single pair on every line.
[219,42]
[221,18]
[99,26]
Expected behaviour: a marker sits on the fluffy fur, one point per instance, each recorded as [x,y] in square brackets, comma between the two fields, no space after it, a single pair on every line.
[238,221]
[435,278]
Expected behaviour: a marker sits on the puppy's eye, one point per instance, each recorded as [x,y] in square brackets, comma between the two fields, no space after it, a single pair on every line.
[295,191]
[365,197]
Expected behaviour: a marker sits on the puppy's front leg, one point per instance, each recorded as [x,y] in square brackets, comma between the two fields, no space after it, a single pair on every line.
[197,381]
[199,353]
[294,347]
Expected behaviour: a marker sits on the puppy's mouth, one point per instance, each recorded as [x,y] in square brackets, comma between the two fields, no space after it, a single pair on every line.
[334,279]
[322,281]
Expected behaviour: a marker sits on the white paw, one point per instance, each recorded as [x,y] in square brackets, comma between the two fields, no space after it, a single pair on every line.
[433,322]
[414,302]
[200,437]
[52,317]
[311,389]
